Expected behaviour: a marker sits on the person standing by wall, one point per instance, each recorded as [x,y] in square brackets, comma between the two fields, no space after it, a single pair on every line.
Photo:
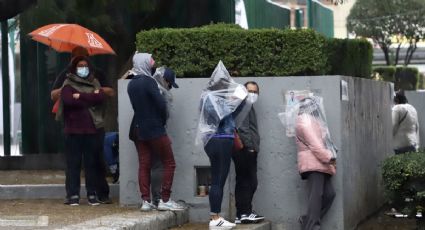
[148,127]
[102,187]
[405,125]
[81,98]
[316,160]
[245,162]
[218,107]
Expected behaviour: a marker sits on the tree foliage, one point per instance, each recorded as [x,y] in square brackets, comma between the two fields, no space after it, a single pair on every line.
[383,21]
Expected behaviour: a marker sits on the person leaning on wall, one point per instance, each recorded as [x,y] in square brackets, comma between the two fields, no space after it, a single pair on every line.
[316,161]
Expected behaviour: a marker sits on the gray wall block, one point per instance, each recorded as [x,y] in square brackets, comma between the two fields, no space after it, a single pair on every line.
[416,99]
[361,129]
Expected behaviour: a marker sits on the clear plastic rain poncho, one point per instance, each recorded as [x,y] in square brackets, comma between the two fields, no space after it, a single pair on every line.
[220,98]
[162,84]
[313,111]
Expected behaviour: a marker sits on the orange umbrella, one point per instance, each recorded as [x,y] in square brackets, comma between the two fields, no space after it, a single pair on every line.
[65,37]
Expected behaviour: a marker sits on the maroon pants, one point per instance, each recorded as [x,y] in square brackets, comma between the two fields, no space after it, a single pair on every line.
[162,147]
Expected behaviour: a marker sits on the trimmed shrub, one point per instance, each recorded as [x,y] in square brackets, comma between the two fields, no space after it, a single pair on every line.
[406,78]
[404,178]
[350,57]
[386,73]
[195,52]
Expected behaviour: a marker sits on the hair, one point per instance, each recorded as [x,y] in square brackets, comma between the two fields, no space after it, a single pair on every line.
[74,62]
[253,83]
[400,98]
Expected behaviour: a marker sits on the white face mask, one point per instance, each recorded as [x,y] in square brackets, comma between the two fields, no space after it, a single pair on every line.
[83,71]
[252,97]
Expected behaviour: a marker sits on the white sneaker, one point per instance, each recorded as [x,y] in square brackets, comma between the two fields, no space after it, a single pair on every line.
[221,223]
[237,221]
[170,205]
[147,206]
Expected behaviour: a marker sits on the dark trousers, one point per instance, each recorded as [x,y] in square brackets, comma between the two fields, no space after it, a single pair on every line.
[320,197]
[219,150]
[246,180]
[162,147]
[101,184]
[80,147]
[407,149]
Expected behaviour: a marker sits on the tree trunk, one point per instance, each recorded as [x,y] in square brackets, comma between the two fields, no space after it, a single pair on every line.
[397,52]
[410,51]
[386,51]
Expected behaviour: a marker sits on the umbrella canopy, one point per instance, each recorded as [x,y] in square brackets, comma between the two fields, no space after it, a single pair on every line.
[65,37]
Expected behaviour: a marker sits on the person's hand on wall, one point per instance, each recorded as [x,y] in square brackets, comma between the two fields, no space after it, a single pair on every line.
[76,95]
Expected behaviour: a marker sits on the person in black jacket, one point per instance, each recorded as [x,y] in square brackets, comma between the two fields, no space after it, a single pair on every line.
[148,127]
[245,162]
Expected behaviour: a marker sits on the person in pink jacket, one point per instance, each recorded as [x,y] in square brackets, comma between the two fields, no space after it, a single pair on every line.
[316,160]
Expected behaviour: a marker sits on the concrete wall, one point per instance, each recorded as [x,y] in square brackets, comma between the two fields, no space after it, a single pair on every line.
[360,128]
[416,99]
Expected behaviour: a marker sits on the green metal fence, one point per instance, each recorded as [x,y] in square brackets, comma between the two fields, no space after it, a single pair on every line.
[320,18]
[265,14]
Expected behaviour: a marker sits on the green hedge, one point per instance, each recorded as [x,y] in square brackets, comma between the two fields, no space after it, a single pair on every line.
[350,57]
[386,73]
[194,52]
[406,78]
[404,177]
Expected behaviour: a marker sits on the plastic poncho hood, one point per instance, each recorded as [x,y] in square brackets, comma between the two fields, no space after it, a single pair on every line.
[313,111]
[220,98]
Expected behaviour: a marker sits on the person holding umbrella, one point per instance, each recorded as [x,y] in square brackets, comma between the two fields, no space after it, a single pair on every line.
[80,41]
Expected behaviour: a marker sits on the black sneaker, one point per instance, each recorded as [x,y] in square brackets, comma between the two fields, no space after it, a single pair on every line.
[72,201]
[91,200]
[104,200]
[251,218]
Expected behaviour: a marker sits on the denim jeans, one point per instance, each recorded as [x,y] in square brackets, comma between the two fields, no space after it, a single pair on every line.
[79,146]
[219,150]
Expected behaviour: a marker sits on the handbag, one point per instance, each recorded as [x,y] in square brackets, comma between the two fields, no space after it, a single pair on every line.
[237,142]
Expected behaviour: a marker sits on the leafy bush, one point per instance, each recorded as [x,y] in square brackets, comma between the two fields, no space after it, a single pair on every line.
[386,73]
[406,78]
[194,52]
[404,177]
[350,57]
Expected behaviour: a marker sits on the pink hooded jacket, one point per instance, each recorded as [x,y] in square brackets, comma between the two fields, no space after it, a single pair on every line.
[312,153]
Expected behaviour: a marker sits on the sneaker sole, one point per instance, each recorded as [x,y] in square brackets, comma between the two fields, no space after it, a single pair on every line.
[170,209]
[219,227]
[255,221]
[73,204]
[94,204]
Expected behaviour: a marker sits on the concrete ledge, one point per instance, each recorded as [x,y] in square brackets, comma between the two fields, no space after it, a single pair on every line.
[265,225]
[44,191]
[135,220]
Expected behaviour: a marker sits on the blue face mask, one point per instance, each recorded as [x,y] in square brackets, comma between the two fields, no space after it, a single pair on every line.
[83,72]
